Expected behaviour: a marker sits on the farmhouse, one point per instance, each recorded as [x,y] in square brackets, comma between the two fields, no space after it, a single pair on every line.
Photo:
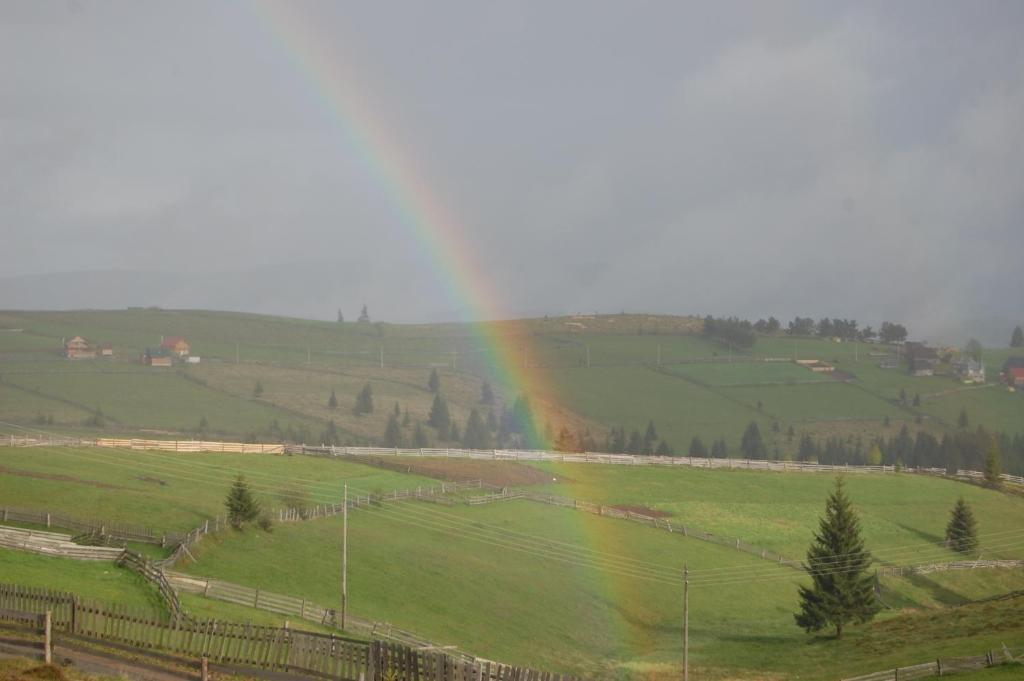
[923,359]
[157,357]
[106,350]
[176,345]
[79,348]
[970,371]
[1013,372]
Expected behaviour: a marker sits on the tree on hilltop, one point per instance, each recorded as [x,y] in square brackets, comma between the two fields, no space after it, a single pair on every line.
[1017,339]
[837,562]
[364,316]
[962,530]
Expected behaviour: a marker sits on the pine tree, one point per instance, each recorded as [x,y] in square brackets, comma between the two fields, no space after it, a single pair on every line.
[204,425]
[406,420]
[476,435]
[663,449]
[917,399]
[397,411]
[332,401]
[341,317]
[242,506]
[962,422]
[874,455]
[486,394]
[434,382]
[950,455]
[636,443]
[419,437]
[1017,339]
[453,432]
[752,445]
[439,417]
[993,463]
[697,448]
[393,432]
[837,562]
[364,401]
[257,390]
[962,530]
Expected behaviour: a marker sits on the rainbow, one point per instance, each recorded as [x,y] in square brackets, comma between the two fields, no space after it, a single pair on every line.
[317,57]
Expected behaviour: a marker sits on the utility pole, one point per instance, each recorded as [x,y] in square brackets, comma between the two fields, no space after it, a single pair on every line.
[236,353]
[381,356]
[344,558]
[525,361]
[686,623]
[588,356]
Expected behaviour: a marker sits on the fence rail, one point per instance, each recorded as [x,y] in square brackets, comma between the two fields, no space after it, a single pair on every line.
[119,531]
[54,544]
[485,454]
[942,666]
[272,648]
[899,571]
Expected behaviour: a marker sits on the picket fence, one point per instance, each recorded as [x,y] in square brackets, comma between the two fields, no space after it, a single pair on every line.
[943,666]
[900,570]
[271,648]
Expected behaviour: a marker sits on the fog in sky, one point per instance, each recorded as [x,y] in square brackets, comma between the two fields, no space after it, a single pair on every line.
[860,160]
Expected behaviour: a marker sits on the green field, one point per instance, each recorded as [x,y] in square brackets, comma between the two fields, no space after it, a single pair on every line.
[549,587]
[695,391]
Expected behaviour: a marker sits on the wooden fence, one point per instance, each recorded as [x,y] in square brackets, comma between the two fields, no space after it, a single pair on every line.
[119,531]
[943,666]
[54,544]
[152,573]
[899,571]
[486,454]
[277,649]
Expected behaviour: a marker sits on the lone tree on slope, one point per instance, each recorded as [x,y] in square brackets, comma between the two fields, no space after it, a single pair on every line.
[242,506]
[1017,339]
[837,562]
[434,382]
[962,530]
[332,401]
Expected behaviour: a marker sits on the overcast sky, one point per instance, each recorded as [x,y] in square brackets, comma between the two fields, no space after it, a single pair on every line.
[861,160]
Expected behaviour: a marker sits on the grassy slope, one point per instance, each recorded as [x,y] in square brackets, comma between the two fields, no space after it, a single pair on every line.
[780,510]
[173,492]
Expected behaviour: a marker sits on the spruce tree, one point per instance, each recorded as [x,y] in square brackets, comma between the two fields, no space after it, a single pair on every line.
[476,436]
[837,562]
[364,401]
[697,448]
[241,505]
[962,421]
[439,417]
[993,463]
[257,390]
[1017,339]
[752,445]
[419,437]
[393,432]
[962,530]
[332,401]
[434,382]
[486,393]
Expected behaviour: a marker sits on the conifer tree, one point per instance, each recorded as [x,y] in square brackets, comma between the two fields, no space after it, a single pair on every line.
[962,530]
[752,445]
[962,421]
[242,506]
[664,450]
[419,437]
[332,401]
[453,432]
[406,420]
[1017,339]
[364,401]
[439,417]
[837,562]
[486,393]
[434,382]
[636,443]
[397,411]
[874,455]
[257,390]
[476,435]
[697,448]
[993,463]
[393,432]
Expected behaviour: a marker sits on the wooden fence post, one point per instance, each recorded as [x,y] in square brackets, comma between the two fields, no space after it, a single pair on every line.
[206,668]
[48,637]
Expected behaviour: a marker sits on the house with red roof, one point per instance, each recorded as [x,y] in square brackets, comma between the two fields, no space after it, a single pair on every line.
[176,345]
[1013,372]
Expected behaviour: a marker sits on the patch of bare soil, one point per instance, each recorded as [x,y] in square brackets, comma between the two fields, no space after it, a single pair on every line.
[4,470]
[643,510]
[500,473]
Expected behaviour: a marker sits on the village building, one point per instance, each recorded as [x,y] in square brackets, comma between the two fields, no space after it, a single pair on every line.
[79,348]
[970,371]
[176,345]
[157,357]
[1013,372]
[816,365]
[923,360]
[106,350]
